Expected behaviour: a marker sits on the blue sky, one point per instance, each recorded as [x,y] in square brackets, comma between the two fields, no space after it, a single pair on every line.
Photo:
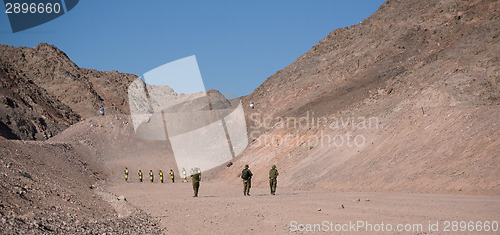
[237,44]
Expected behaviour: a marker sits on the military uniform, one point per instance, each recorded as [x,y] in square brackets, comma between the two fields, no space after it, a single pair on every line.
[273,179]
[161,176]
[196,183]
[151,175]
[172,175]
[126,174]
[246,175]
[140,175]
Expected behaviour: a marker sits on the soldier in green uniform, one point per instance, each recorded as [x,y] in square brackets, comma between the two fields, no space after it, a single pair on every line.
[273,179]
[195,178]
[151,175]
[140,175]
[172,175]
[126,174]
[161,176]
[246,175]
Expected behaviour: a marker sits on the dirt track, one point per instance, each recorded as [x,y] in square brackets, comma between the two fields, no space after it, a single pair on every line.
[222,209]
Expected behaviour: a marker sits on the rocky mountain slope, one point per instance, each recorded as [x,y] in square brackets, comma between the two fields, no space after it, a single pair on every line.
[57,188]
[28,111]
[43,92]
[404,48]
[417,85]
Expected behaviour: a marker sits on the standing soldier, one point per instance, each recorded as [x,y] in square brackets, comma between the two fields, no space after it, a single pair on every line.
[184,175]
[273,179]
[172,175]
[161,176]
[246,175]
[199,171]
[151,175]
[196,183]
[140,175]
[126,174]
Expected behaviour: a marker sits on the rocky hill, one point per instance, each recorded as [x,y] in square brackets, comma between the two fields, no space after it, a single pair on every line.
[28,111]
[417,85]
[404,50]
[43,92]
[58,188]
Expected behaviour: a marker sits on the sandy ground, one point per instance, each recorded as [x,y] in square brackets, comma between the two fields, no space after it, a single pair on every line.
[222,209]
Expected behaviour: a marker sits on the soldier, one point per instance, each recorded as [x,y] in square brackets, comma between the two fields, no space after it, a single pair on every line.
[151,175]
[195,178]
[184,175]
[246,175]
[140,175]
[199,171]
[161,176]
[172,175]
[273,179]
[126,174]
